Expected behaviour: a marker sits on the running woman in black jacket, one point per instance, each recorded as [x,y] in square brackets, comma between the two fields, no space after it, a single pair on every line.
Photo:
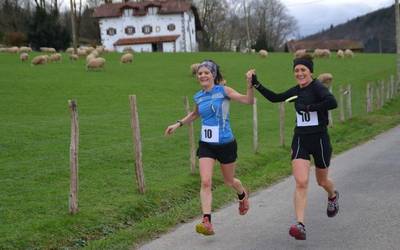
[312,102]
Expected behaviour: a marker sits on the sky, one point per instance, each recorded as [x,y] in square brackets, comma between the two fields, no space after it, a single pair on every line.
[315,15]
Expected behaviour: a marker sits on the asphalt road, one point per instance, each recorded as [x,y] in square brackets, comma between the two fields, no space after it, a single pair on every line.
[368,178]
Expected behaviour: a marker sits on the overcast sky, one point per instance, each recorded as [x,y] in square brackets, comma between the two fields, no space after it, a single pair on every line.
[314,15]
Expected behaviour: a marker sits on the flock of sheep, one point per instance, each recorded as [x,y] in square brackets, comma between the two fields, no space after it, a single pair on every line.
[93,55]
[325,53]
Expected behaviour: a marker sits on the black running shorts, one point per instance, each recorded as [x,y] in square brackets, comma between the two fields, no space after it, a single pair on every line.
[225,153]
[318,145]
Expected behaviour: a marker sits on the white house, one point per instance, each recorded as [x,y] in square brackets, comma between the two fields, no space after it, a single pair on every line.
[149,26]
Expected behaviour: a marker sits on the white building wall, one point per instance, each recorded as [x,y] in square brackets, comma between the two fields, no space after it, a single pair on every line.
[159,24]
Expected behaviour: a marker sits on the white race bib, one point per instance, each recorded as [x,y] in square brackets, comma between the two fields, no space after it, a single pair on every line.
[305,119]
[210,133]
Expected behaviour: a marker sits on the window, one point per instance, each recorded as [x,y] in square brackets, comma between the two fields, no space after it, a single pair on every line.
[158,29]
[111,31]
[147,29]
[127,12]
[171,27]
[152,10]
[130,30]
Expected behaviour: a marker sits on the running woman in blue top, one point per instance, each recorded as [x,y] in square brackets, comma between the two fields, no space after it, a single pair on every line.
[217,142]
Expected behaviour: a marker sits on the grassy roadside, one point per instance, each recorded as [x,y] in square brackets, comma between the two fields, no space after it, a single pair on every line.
[344,136]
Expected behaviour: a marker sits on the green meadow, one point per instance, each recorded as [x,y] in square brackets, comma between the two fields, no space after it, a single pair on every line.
[35,138]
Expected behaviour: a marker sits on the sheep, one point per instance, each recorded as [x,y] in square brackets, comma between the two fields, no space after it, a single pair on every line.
[96,63]
[300,53]
[39,60]
[253,51]
[89,50]
[95,53]
[25,49]
[82,52]
[70,51]
[73,57]
[3,50]
[322,53]
[340,54]
[55,57]
[263,53]
[348,53]
[12,50]
[24,57]
[48,50]
[194,67]
[127,58]
[90,57]
[326,79]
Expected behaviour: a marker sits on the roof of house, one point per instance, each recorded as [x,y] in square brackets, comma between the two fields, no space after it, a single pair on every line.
[292,46]
[144,40]
[166,7]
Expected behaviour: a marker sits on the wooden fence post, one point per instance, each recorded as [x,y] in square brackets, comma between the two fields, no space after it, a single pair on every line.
[282,123]
[382,93]
[341,103]
[391,87]
[138,144]
[255,126]
[349,107]
[378,96]
[74,164]
[330,117]
[368,98]
[191,139]
[388,88]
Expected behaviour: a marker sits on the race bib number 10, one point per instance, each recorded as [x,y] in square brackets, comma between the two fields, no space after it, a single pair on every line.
[210,134]
[305,119]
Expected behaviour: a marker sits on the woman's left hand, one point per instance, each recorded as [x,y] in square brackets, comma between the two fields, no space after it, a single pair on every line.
[249,76]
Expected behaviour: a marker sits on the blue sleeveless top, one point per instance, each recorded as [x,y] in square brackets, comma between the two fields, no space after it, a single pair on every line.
[213,107]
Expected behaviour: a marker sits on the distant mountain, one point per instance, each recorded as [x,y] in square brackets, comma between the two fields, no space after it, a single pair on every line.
[375,30]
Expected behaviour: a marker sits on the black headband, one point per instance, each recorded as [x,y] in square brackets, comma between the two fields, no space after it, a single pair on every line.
[303,61]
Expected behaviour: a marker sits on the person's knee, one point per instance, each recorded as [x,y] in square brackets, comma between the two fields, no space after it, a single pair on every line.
[229,183]
[206,184]
[322,182]
[302,184]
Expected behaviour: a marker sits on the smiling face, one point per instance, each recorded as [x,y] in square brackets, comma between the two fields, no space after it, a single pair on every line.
[205,77]
[303,75]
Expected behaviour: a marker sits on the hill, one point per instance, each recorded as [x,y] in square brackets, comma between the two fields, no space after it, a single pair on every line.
[375,30]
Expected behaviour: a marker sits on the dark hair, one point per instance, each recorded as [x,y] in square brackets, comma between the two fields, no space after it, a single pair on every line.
[305,60]
[218,79]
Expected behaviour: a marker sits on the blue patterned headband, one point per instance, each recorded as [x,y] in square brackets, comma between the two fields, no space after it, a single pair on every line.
[212,67]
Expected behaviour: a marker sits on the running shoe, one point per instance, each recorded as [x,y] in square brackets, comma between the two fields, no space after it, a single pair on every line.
[205,227]
[298,231]
[333,206]
[244,205]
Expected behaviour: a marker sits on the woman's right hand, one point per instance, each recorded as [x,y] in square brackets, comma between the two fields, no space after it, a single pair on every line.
[249,75]
[171,129]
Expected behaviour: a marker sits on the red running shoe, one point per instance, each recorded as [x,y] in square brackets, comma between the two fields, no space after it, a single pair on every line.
[205,227]
[298,231]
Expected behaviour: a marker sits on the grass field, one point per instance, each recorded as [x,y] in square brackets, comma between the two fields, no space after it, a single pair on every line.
[35,132]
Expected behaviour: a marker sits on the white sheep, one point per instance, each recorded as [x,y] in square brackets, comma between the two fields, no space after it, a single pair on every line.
[263,53]
[73,57]
[82,52]
[39,60]
[326,79]
[96,63]
[25,49]
[90,57]
[12,50]
[24,57]
[348,53]
[55,57]
[70,51]
[194,67]
[340,54]
[127,58]
[300,53]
